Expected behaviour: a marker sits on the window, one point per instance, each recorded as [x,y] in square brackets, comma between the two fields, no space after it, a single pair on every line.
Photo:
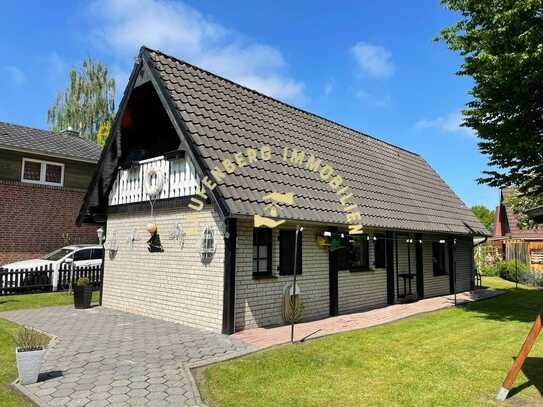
[287,239]
[354,254]
[262,251]
[42,172]
[97,254]
[57,254]
[536,256]
[438,259]
[81,255]
[379,251]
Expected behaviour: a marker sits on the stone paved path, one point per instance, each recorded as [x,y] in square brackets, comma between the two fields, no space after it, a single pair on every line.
[262,338]
[103,357]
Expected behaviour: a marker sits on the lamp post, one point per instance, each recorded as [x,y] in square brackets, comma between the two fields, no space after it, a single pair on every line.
[299,230]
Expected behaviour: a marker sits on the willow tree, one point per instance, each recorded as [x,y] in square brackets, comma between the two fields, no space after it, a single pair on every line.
[87,104]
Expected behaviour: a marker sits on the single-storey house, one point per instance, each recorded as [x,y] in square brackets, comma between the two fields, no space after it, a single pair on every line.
[43,179]
[513,241]
[231,173]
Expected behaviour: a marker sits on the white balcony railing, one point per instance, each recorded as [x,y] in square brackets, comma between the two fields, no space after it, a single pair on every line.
[179,176]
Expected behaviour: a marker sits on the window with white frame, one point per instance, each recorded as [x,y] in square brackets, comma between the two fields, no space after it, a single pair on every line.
[42,172]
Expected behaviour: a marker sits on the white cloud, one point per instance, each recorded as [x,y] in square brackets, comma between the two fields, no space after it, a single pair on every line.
[374,60]
[177,29]
[17,75]
[449,124]
[329,87]
[372,100]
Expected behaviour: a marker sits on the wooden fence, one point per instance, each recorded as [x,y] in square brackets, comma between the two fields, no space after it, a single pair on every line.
[41,279]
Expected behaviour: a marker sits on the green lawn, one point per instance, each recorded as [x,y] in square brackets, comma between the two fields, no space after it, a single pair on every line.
[8,370]
[454,357]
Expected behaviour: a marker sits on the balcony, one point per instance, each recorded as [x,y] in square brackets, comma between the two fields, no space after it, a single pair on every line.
[178,173]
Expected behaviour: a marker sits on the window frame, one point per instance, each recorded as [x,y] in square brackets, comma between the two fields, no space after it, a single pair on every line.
[345,263]
[43,172]
[443,270]
[299,253]
[269,253]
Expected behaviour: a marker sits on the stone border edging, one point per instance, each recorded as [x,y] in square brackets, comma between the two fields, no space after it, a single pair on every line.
[189,371]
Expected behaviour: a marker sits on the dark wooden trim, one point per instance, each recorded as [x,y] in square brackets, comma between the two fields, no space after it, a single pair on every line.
[114,135]
[389,266]
[103,266]
[395,237]
[419,265]
[185,136]
[229,294]
[333,282]
[452,271]
[169,203]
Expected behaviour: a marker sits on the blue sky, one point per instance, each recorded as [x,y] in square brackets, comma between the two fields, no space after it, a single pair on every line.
[369,65]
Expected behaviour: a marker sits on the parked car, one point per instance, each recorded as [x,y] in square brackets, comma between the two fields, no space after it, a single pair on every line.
[82,255]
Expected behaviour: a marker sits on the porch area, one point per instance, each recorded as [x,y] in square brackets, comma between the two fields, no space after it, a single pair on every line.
[262,338]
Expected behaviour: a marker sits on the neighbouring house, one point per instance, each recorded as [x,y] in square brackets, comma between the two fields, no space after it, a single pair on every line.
[43,179]
[226,164]
[513,241]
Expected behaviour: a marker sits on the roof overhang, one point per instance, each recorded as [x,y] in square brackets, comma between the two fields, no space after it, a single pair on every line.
[47,154]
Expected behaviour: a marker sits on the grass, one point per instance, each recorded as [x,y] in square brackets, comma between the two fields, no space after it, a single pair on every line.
[8,330]
[454,357]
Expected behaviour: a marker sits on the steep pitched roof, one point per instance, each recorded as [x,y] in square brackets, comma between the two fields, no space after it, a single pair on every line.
[16,137]
[393,187]
[507,222]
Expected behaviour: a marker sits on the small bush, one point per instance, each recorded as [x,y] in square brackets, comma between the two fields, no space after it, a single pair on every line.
[29,339]
[82,281]
[512,270]
[491,270]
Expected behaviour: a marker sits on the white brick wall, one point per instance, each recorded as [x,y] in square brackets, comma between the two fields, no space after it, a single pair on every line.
[258,302]
[174,285]
[362,290]
[177,286]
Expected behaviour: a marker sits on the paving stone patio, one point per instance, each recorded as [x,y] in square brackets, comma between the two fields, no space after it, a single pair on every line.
[102,357]
[262,338]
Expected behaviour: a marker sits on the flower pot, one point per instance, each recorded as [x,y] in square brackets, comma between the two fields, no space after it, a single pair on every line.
[82,296]
[29,365]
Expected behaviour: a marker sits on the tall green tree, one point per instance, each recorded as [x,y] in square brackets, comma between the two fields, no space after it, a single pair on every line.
[485,215]
[88,102]
[501,42]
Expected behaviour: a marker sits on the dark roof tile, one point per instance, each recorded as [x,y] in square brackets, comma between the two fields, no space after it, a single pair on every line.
[14,136]
[393,187]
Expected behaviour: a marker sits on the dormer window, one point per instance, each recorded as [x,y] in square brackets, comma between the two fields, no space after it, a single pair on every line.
[42,172]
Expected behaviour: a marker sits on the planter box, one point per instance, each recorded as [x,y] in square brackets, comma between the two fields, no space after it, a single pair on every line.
[82,296]
[29,365]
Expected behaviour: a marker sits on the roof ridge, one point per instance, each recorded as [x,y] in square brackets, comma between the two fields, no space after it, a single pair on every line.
[145,48]
[26,127]
[52,133]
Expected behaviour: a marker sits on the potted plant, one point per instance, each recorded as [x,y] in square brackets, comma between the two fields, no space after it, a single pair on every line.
[29,353]
[82,293]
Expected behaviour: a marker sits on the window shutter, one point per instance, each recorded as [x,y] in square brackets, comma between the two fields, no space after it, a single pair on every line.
[365,260]
[379,248]
[287,240]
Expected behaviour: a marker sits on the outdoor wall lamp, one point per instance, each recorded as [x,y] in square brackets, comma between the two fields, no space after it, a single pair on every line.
[100,233]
